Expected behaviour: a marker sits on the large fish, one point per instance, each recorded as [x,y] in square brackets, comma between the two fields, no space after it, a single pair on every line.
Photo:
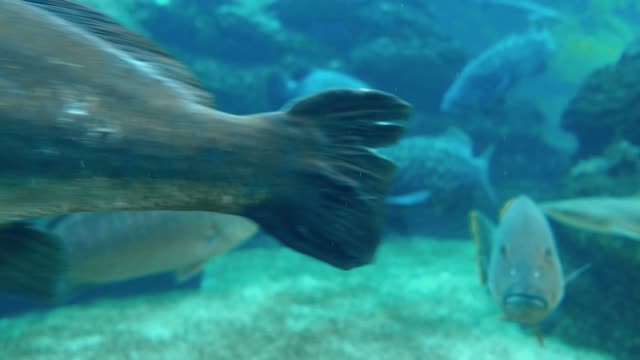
[608,215]
[430,164]
[487,78]
[95,118]
[518,261]
[84,249]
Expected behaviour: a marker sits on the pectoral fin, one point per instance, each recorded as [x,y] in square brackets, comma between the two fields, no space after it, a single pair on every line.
[482,229]
[577,272]
[189,271]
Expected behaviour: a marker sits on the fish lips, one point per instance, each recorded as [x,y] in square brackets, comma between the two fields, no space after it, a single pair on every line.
[525,307]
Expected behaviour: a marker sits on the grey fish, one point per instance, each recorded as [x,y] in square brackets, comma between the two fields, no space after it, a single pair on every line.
[487,78]
[609,215]
[427,164]
[518,261]
[85,249]
[95,118]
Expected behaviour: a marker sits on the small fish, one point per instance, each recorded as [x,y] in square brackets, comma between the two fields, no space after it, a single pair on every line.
[487,78]
[518,261]
[95,118]
[316,80]
[609,215]
[80,250]
[427,164]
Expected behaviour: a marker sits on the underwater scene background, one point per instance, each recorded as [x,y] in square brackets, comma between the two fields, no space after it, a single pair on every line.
[510,97]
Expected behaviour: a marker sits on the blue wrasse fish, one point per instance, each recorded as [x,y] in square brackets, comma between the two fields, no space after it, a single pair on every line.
[518,261]
[79,250]
[95,118]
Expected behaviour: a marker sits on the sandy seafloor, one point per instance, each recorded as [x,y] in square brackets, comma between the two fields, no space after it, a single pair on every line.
[419,300]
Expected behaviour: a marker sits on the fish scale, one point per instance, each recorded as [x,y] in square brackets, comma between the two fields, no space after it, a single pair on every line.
[96,118]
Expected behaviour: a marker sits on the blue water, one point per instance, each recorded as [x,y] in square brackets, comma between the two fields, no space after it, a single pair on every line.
[417,49]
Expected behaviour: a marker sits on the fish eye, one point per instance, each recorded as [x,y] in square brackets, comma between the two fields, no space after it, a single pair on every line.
[547,252]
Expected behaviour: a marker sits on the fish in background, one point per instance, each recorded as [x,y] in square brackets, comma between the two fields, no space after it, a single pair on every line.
[80,250]
[487,78]
[519,263]
[441,163]
[283,90]
[96,118]
[607,215]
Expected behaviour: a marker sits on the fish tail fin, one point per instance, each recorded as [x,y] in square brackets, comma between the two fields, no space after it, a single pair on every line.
[335,213]
[485,180]
[482,230]
[33,263]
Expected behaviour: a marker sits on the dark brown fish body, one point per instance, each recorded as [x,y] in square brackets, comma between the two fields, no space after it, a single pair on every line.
[91,121]
[95,118]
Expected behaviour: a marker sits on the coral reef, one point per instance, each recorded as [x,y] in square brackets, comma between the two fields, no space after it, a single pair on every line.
[619,158]
[606,107]
[614,171]
[607,292]
[249,38]
[419,70]
[384,40]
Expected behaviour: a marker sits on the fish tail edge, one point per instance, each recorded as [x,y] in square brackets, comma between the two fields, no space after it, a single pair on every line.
[33,263]
[335,215]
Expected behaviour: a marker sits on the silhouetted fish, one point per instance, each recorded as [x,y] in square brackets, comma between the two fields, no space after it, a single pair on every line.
[96,118]
[84,249]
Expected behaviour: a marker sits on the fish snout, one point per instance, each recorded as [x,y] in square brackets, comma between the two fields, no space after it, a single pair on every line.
[525,307]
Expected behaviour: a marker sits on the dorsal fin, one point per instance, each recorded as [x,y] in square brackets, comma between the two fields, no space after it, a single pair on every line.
[505,207]
[127,41]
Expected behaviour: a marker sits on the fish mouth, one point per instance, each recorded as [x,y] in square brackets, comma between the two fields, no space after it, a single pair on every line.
[524,301]
[525,308]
